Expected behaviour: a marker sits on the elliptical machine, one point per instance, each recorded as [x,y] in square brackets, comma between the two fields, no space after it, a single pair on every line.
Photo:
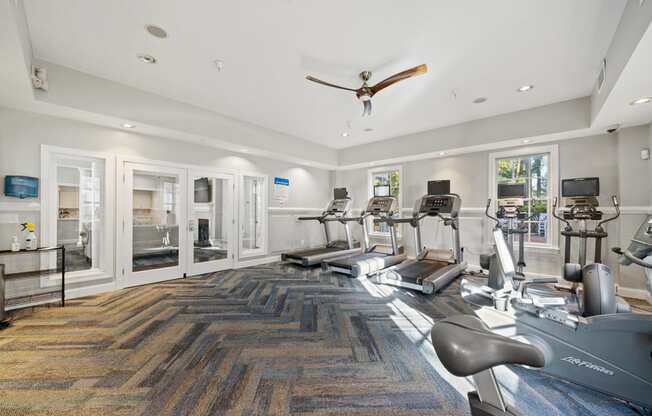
[510,222]
[581,205]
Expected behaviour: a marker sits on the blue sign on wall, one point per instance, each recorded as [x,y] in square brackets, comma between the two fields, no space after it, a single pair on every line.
[281,181]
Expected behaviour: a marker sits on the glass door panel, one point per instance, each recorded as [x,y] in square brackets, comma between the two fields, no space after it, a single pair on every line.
[211,222]
[155,212]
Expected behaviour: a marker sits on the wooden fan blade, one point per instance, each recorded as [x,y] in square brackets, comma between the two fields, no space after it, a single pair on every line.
[328,84]
[417,70]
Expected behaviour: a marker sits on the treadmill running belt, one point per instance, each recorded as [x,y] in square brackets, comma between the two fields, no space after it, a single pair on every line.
[311,252]
[417,271]
[348,262]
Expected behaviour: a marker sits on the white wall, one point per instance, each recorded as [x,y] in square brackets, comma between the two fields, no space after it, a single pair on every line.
[22,134]
[613,158]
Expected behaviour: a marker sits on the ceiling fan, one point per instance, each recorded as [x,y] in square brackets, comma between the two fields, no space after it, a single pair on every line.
[365,92]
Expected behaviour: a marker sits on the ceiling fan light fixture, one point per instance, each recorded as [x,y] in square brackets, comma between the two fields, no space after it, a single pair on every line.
[642,100]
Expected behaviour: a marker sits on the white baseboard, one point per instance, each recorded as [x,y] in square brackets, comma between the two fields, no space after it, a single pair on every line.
[629,292]
[257,262]
[90,290]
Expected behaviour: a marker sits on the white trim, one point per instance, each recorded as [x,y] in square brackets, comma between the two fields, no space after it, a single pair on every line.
[9,206]
[293,209]
[553,181]
[91,290]
[257,262]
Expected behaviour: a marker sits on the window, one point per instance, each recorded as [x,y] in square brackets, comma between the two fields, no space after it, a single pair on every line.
[75,212]
[385,181]
[253,216]
[537,168]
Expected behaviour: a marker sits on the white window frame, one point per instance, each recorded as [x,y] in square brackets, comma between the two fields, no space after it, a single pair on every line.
[261,251]
[49,209]
[553,183]
[370,192]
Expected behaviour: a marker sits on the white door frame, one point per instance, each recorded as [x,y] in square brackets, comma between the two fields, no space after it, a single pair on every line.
[217,265]
[124,258]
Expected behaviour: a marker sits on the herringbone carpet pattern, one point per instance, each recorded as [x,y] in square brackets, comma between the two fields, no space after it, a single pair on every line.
[269,340]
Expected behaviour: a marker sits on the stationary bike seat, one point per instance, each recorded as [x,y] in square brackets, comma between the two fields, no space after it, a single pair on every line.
[466,346]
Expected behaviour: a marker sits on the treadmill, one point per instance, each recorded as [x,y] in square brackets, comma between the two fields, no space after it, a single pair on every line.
[378,256]
[336,211]
[432,269]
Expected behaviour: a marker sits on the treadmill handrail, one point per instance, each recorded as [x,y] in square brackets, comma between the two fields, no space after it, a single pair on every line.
[313,218]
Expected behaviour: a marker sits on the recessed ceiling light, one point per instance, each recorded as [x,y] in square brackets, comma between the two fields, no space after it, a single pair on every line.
[156,31]
[219,64]
[642,100]
[526,140]
[442,153]
[525,88]
[147,59]
[345,134]
[128,126]
[480,100]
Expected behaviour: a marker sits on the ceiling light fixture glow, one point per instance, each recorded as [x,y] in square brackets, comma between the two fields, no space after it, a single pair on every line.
[480,100]
[525,88]
[642,100]
[146,59]
[442,153]
[345,134]
[128,126]
[526,140]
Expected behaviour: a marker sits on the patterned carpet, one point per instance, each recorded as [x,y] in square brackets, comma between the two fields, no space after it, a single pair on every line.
[268,340]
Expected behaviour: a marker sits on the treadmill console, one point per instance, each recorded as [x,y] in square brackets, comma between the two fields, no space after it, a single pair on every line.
[382,205]
[440,204]
[338,206]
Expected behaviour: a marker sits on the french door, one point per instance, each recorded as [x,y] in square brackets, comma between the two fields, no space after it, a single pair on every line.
[175,222]
[154,217]
[211,222]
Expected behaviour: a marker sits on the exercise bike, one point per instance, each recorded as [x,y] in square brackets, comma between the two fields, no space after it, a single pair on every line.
[609,352]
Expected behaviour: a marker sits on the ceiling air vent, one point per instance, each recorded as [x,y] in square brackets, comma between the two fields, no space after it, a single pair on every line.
[602,77]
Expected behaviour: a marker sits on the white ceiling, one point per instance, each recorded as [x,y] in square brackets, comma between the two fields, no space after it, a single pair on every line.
[477,48]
